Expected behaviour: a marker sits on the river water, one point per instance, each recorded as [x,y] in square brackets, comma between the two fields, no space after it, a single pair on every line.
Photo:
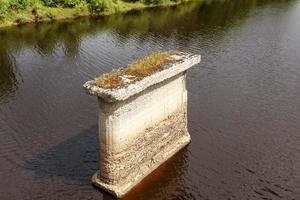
[244,101]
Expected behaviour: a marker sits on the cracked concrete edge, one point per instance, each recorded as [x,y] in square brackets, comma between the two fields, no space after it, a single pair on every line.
[120,190]
[181,64]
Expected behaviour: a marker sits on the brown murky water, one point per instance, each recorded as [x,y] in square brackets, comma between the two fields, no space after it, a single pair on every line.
[244,101]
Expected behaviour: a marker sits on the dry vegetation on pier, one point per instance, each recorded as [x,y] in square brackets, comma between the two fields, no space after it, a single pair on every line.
[135,71]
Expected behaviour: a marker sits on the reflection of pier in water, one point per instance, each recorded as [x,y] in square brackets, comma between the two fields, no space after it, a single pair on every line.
[82,162]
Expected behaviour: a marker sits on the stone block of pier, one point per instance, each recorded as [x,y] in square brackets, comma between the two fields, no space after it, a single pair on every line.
[141,125]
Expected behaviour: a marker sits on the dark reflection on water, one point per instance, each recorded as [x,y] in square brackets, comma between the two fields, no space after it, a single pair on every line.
[244,104]
[8,80]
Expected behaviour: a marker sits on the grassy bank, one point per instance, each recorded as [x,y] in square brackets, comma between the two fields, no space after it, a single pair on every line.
[14,12]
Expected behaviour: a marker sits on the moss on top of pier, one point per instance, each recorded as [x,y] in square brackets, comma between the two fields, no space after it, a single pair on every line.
[135,71]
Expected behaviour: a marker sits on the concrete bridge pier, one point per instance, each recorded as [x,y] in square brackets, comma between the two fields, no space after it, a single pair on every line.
[141,125]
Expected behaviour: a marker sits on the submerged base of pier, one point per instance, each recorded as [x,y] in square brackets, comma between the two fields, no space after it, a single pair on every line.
[157,144]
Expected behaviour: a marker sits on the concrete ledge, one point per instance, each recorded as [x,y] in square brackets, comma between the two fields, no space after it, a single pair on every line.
[180,64]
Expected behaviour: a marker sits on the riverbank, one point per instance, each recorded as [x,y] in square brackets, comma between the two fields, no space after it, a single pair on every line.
[39,12]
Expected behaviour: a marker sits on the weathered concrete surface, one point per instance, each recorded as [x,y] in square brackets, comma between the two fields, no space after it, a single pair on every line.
[126,169]
[181,64]
[142,128]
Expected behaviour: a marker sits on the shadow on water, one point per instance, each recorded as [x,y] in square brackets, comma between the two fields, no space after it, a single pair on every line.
[76,159]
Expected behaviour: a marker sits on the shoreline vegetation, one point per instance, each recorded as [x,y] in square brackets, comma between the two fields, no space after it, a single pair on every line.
[17,12]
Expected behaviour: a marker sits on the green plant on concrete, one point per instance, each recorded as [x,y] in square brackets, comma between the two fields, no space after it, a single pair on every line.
[135,71]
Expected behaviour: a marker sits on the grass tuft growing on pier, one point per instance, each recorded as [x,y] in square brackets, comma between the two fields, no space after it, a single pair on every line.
[134,72]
